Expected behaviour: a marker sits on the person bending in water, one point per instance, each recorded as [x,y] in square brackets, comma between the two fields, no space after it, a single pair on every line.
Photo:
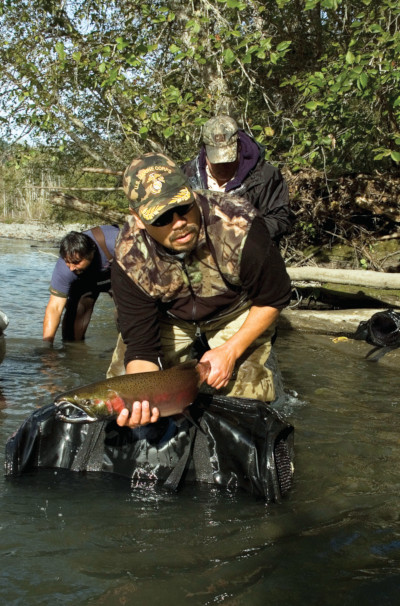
[81,273]
[193,267]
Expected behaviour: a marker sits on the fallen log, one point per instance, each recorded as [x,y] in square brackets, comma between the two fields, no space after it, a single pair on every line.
[93,208]
[355,277]
[330,322]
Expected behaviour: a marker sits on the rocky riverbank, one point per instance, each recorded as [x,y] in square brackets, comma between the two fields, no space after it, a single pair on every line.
[39,231]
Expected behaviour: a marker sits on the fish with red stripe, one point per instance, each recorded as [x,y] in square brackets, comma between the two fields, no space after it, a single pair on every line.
[171,391]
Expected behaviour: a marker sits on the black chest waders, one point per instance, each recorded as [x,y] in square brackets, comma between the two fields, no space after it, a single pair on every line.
[234,443]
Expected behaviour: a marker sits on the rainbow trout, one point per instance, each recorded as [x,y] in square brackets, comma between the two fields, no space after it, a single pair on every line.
[171,391]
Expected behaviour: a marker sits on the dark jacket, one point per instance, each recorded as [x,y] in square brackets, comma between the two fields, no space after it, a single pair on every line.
[256,180]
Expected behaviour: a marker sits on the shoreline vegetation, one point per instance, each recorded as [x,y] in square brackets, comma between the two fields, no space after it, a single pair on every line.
[40,231]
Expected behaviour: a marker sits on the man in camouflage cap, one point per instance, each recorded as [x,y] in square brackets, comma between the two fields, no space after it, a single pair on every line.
[220,138]
[232,161]
[154,185]
[194,270]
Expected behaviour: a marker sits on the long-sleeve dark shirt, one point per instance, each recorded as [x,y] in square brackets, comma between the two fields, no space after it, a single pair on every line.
[264,282]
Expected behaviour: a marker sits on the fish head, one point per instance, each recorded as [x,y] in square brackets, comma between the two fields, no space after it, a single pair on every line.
[69,412]
[82,407]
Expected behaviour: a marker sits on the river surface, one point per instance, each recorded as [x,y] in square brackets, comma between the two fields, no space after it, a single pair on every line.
[72,539]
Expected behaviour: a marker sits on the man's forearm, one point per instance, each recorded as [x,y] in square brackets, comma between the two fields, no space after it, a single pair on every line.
[140,366]
[50,325]
[52,317]
[224,357]
[259,319]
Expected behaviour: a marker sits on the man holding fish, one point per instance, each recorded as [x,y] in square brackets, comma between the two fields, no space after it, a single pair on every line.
[194,266]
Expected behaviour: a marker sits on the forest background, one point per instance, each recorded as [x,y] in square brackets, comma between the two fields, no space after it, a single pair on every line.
[89,84]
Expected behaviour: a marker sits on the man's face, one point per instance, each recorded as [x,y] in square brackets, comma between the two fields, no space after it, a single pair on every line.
[224,171]
[78,266]
[181,233]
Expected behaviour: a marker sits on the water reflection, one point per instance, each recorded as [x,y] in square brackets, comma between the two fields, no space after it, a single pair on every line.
[81,539]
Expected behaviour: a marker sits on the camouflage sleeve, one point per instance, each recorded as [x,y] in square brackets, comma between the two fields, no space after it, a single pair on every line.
[137,318]
[262,270]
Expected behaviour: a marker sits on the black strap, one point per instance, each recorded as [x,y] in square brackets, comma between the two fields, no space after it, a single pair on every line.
[379,352]
[175,477]
[92,449]
[98,235]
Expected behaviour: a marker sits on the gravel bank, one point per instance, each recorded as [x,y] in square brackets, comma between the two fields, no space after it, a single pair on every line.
[40,232]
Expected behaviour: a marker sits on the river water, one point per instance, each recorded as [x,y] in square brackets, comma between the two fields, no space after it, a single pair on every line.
[72,539]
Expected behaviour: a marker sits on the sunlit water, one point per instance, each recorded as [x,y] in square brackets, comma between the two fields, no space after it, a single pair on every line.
[72,539]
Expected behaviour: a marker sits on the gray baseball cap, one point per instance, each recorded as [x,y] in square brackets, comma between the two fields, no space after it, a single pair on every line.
[220,138]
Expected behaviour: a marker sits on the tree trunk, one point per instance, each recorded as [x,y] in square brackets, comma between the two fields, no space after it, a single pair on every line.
[83,206]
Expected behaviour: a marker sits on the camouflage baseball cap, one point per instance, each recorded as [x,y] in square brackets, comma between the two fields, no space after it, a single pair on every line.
[154,184]
[220,138]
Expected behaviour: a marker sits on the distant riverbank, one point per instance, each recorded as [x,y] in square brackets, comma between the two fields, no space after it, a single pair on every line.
[39,231]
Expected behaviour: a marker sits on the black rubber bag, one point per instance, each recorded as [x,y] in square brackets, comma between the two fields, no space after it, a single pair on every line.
[236,443]
[381,330]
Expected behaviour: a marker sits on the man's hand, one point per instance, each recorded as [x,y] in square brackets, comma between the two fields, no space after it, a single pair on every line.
[141,414]
[222,361]
[223,358]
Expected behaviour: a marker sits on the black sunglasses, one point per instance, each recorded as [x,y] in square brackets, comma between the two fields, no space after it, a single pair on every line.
[167,218]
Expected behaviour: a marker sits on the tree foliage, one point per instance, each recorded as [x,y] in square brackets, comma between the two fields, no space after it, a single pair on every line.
[316,82]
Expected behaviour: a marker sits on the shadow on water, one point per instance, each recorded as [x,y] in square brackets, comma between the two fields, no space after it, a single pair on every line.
[84,539]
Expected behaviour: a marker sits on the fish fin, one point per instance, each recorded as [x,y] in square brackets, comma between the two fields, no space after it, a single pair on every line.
[115,402]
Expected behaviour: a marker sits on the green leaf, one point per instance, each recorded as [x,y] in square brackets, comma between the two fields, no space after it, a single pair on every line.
[121,44]
[312,105]
[229,57]
[350,58]
[235,4]
[283,45]
[60,50]
[395,155]
[363,80]
[167,132]
[332,4]
[193,25]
